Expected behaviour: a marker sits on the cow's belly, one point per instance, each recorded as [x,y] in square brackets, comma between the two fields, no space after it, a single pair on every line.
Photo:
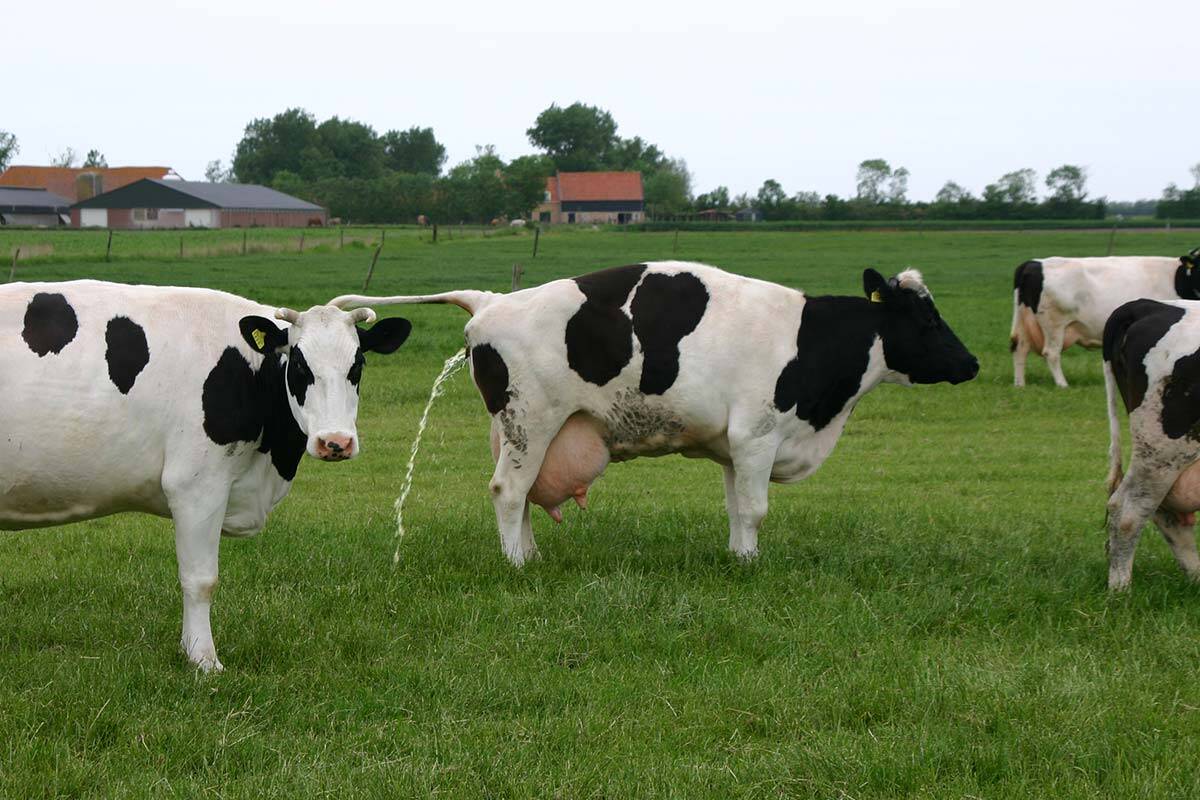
[35,501]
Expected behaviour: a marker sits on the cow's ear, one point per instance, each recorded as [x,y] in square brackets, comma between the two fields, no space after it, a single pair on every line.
[262,334]
[384,336]
[875,286]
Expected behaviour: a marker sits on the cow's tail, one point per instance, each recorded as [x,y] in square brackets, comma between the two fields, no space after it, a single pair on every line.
[469,300]
[1113,397]
[1024,320]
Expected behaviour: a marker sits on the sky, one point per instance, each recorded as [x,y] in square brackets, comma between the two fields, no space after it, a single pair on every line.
[795,91]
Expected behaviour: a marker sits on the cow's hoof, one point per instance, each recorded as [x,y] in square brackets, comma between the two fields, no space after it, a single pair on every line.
[745,556]
[208,663]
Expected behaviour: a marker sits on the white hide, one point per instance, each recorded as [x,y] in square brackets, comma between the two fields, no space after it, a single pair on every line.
[74,447]
[1078,295]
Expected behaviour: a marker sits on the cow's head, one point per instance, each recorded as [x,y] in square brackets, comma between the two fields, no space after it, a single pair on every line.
[918,345]
[322,354]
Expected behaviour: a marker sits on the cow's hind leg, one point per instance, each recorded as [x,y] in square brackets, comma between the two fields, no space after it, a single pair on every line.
[1182,539]
[751,479]
[197,543]
[1129,509]
[1020,351]
[1052,351]
[522,450]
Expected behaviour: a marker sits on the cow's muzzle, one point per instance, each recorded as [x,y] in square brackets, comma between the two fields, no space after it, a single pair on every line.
[335,446]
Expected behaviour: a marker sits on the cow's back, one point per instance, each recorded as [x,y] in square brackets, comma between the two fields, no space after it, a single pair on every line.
[100,383]
[1086,291]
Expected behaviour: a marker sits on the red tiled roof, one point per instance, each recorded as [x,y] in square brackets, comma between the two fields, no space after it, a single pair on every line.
[61,180]
[585,186]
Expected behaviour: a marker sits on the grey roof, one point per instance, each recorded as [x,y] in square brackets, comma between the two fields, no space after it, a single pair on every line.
[239,195]
[27,201]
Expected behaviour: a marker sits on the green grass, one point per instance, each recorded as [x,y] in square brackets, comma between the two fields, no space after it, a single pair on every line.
[928,617]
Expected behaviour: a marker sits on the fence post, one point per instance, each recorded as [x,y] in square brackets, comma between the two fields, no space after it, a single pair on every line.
[108,248]
[382,236]
[371,270]
[181,247]
[435,233]
[243,241]
[537,232]
[13,270]
[516,276]
[341,237]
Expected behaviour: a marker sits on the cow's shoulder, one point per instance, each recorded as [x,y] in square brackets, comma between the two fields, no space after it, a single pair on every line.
[1130,333]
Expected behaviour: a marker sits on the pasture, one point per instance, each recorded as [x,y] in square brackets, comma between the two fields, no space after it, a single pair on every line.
[928,616]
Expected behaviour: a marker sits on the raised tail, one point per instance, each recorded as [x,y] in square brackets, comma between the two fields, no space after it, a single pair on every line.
[469,300]
[1113,395]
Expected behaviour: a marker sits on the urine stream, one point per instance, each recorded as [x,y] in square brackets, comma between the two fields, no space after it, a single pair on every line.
[453,364]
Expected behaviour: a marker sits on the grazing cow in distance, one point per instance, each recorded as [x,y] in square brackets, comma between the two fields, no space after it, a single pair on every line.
[1152,365]
[674,357]
[1058,302]
[184,403]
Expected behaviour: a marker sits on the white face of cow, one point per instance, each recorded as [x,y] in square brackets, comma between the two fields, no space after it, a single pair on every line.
[322,361]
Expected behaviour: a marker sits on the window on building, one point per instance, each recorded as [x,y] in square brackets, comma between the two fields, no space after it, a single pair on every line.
[570,216]
[544,216]
[139,215]
[546,196]
[151,213]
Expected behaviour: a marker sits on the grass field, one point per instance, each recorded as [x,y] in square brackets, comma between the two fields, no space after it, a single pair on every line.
[928,617]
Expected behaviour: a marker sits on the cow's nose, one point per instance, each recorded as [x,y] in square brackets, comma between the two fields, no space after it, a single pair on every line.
[335,447]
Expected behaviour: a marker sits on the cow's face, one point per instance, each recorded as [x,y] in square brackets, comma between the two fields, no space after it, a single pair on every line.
[322,358]
[918,345]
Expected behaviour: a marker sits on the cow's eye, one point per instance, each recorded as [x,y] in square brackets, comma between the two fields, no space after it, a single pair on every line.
[355,373]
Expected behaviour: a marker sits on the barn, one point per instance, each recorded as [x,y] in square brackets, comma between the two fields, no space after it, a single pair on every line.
[593,198]
[79,183]
[153,203]
[20,205]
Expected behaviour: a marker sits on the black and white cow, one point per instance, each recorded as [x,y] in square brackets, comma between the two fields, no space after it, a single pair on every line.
[673,357]
[1059,302]
[187,403]
[1152,364]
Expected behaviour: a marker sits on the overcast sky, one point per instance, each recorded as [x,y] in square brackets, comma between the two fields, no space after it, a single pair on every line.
[796,91]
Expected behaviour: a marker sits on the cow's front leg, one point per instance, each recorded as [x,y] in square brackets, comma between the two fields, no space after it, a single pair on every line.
[1181,536]
[197,543]
[751,475]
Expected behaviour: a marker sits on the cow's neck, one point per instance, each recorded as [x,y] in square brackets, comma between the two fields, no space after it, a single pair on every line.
[282,438]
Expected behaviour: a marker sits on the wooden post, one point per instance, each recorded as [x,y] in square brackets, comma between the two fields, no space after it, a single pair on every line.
[243,241]
[435,233]
[341,237]
[371,270]
[1111,237]
[382,236]
[13,270]
[675,247]
[516,276]
[108,248]
[537,232]
[301,241]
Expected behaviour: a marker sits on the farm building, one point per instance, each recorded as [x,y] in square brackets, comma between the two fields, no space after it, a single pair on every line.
[593,197]
[21,205]
[151,203]
[80,183]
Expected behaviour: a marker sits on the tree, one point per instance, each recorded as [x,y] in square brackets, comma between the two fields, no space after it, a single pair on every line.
[951,192]
[870,179]
[8,149]
[811,199]
[668,191]
[1019,186]
[525,184]
[717,198]
[350,148]
[1172,193]
[1068,183]
[215,172]
[897,190]
[415,150]
[66,158]
[284,142]
[96,159]
[577,138]
[635,154]
[772,200]
[1195,170]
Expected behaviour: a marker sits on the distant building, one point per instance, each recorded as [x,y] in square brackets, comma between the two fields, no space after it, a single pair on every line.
[593,198]
[80,183]
[150,203]
[713,215]
[24,206]
[748,214]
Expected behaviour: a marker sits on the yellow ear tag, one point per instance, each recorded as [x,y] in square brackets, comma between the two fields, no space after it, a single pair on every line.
[260,338]
[875,298]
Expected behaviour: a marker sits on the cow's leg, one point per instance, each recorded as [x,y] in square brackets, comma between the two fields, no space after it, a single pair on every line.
[1053,351]
[1182,539]
[752,464]
[1020,353]
[197,542]
[1130,507]
[522,450]
[731,508]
